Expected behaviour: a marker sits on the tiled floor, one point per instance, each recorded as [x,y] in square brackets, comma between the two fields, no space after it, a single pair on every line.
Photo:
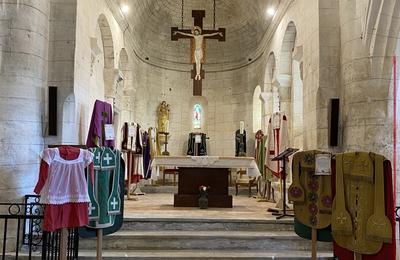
[160,205]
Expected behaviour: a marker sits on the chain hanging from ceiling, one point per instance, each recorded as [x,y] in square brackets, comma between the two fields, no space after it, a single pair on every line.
[182,15]
[214,16]
[183,5]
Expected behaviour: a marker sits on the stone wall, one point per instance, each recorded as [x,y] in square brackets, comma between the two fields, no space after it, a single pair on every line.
[303,18]
[229,95]
[24,40]
[24,36]
[369,33]
[229,92]
[38,49]
[94,20]
[61,62]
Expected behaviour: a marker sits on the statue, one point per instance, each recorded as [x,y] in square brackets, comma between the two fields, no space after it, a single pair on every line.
[163,117]
[240,141]
[198,42]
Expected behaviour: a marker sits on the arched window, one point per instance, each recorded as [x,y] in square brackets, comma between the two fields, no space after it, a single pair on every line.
[197,116]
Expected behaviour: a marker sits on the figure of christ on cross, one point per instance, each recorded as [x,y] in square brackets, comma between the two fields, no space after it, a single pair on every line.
[198,42]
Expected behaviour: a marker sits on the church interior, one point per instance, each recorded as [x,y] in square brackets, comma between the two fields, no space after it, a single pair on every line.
[200,129]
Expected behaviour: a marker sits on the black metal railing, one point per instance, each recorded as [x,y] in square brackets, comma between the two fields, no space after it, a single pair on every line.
[398,216]
[22,222]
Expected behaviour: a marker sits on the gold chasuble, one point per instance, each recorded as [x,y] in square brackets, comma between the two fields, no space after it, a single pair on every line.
[359,222]
[310,193]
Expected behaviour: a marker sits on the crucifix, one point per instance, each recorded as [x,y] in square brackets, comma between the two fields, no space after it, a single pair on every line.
[198,36]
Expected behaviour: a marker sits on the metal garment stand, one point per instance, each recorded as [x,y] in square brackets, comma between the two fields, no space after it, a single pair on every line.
[282,157]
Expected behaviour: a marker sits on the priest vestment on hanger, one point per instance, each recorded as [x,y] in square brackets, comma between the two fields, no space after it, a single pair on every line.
[102,115]
[260,151]
[240,143]
[201,147]
[277,141]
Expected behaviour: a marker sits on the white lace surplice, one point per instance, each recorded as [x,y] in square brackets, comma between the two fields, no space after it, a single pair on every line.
[66,182]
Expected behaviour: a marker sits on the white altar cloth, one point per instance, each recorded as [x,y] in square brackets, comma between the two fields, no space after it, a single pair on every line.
[247,163]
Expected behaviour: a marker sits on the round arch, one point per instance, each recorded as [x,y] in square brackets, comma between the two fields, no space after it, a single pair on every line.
[125,90]
[257,109]
[109,56]
[290,87]
[267,96]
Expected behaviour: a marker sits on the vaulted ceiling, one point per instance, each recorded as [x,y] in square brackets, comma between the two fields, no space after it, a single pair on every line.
[149,22]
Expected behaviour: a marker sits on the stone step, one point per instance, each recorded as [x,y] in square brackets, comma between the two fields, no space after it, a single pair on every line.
[203,254]
[188,224]
[192,254]
[203,240]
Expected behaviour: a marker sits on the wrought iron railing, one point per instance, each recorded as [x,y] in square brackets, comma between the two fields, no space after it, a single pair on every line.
[21,224]
[398,216]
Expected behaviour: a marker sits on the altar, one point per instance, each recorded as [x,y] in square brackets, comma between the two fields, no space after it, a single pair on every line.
[211,171]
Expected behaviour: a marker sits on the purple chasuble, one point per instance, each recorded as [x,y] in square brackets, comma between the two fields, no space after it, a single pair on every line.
[102,114]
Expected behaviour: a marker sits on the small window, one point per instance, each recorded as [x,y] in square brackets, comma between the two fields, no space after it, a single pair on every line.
[197,116]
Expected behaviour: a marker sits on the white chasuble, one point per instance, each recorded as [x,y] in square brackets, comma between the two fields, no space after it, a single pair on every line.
[277,141]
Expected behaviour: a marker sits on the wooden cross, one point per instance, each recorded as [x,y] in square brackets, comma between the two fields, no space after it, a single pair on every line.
[198,16]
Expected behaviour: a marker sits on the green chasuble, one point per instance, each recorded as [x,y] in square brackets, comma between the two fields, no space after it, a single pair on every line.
[323,235]
[261,156]
[106,192]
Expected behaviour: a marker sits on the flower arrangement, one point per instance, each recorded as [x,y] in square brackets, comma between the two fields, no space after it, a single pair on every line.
[203,196]
[203,190]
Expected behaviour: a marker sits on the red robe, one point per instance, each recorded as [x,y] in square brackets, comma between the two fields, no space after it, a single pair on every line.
[68,215]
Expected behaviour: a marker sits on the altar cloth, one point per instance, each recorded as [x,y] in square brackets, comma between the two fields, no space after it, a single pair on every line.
[247,163]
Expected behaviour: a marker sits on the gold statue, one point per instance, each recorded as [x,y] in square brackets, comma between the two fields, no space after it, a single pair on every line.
[163,117]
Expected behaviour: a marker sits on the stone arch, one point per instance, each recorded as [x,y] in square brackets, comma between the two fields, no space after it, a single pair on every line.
[123,98]
[269,72]
[109,57]
[289,87]
[297,105]
[271,101]
[69,125]
[257,109]
[382,30]
[125,88]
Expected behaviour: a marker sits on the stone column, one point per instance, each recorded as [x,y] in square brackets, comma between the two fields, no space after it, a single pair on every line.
[24,33]
[366,80]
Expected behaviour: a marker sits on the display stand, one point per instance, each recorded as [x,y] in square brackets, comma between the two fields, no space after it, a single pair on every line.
[136,189]
[283,157]
[263,196]
[64,231]
[165,152]
[129,169]
[314,244]
[99,250]
[63,243]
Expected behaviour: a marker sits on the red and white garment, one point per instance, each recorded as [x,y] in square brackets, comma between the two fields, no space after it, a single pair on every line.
[63,187]
[276,141]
